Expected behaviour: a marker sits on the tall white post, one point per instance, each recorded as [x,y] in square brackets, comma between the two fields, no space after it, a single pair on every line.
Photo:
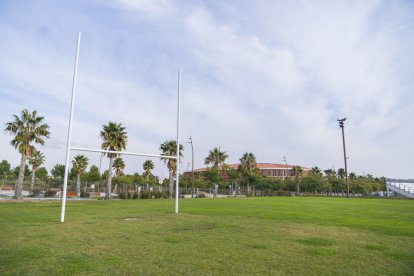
[177,173]
[72,104]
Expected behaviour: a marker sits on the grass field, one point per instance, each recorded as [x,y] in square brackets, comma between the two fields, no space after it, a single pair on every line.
[229,236]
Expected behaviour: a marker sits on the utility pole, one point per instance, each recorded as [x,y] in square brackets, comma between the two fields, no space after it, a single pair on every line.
[341,125]
[284,159]
[190,141]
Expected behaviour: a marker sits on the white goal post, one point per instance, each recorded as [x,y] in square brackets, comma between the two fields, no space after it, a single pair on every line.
[69,138]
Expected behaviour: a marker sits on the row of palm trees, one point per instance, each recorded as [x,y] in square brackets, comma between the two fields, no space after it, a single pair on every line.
[29,130]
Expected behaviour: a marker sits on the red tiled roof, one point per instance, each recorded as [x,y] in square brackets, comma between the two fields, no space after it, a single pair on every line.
[262,166]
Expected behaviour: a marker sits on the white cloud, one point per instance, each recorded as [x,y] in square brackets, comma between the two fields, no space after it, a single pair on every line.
[268,78]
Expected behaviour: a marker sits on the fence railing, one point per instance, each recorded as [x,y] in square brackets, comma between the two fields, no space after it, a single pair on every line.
[52,188]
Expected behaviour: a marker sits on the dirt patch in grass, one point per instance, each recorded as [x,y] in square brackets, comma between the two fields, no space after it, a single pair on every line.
[132,218]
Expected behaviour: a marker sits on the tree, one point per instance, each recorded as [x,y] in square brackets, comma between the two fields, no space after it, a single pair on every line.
[233,177]
[248,169]
[119,166]
[341,173]
[352,180]
[41,174]
[316,171]
[114,138]
[35,160]
[58,171]
[330,173]
[93,174]
[297,171]
[4,169]
[16,170]
[313,181]
[169,148]
[28,130]
[80,163]
[216,157]
[148,166]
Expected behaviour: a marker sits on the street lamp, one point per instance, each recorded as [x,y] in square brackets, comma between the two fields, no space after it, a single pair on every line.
[284,159]
[341,125]
[190,141]
[100,178]
[285,174]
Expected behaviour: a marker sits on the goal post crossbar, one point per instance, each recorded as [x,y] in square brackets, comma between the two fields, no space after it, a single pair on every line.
[124,153]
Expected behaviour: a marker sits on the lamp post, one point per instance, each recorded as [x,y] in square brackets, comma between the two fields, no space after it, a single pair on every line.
[284,159]
[341,125]
[99,183]
[190,141]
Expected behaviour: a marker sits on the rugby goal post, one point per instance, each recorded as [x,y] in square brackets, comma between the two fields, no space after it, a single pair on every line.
[69,148]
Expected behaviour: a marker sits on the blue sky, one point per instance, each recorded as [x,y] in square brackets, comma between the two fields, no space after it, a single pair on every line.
[268,77]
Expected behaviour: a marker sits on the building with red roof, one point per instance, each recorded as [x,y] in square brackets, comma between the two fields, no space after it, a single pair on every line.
[265,169]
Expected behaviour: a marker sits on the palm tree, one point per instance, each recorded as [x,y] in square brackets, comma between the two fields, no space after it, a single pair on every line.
[316,171]
[80,163]
[248,167]
[170,148]
[297,171]
[330,173]
[216,157]
[114,138]
[29,129]
[341,173]
[148,166]
[248,164]
[35,160]
[352,178]
[119,166]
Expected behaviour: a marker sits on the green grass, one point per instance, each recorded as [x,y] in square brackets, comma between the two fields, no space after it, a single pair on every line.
[231,236]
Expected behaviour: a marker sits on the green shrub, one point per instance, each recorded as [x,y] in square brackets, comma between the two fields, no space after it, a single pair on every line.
[123,195]
[282,193]
[158,195]
[144,194]
[50,193]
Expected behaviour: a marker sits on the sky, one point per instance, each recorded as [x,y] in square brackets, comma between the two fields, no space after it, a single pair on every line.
[267,77]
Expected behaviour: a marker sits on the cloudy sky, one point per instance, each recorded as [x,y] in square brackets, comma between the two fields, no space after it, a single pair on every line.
[268,77]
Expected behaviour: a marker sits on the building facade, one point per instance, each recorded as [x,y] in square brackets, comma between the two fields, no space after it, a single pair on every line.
[265,169]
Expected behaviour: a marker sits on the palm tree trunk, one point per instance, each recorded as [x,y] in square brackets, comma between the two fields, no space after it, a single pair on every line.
[109,182]
[170,183]
[78,185]
[19,184]
[33,181]
[297,184]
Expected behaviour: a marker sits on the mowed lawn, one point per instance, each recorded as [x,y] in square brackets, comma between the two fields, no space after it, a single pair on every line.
[229,236]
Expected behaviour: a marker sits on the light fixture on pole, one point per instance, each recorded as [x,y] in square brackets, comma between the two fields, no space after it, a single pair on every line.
[341,125]
[190,141]
[285,174]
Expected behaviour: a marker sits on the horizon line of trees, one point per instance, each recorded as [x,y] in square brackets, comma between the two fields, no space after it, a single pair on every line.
[30,131]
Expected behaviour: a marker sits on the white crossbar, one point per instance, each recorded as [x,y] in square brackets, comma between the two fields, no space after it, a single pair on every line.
[124,153]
